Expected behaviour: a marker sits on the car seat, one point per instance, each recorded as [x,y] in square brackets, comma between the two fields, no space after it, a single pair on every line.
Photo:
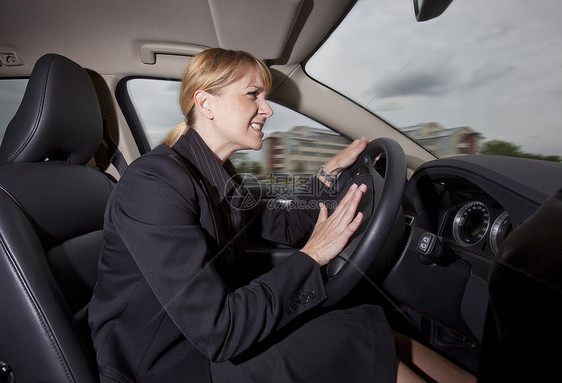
[51,208]
[523,331]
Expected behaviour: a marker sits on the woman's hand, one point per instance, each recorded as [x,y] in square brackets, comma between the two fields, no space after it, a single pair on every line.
[331,234]
[346,157]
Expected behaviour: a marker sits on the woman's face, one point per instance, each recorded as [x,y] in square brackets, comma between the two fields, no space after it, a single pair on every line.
[240,111]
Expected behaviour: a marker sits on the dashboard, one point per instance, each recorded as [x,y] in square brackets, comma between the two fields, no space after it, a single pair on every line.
[459,211]
[474,202]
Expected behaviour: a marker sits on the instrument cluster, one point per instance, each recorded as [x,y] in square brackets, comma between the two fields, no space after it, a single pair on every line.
[479,226]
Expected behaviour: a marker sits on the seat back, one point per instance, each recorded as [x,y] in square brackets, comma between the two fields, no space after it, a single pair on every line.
[524,324]
[51,219]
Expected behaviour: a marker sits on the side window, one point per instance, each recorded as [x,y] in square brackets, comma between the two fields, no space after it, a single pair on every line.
[157,105]
[11,94]
[293,144]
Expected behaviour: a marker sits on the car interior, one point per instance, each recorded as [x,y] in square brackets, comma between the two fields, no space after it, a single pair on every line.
[470,262]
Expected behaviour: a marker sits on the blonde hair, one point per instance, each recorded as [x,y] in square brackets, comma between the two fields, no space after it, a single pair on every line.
[211,71]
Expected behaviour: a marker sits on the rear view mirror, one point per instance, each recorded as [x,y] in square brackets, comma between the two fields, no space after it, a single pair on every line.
[430,9]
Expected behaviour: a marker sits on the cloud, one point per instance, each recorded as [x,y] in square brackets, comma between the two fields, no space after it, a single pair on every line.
[426,83]
[487,72]
[495,66]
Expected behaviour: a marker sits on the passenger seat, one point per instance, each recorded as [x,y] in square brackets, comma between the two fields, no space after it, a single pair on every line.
[51,220]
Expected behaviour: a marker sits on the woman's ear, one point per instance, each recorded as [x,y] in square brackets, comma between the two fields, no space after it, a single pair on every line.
[202,104]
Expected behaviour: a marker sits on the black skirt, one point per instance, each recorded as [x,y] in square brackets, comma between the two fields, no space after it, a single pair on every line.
[340,345]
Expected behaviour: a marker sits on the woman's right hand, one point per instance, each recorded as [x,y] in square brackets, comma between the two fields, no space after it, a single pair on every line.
[331,234]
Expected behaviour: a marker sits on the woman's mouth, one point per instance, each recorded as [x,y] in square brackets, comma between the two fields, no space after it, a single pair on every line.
[257,127]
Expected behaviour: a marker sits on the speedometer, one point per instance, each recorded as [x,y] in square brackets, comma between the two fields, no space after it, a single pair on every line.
[471,223]
[500,229]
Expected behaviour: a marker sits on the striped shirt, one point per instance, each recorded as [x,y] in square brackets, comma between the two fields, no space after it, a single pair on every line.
[223,178]
[228,194]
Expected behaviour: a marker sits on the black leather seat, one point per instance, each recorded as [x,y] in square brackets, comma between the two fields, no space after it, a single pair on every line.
[523,336]
[51,209]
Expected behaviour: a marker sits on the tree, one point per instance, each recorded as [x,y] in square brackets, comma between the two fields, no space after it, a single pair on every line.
[504,148]
[501,148]
[299,167]
[256,168]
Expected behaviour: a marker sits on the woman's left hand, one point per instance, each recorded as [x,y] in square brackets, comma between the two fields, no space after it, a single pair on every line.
[345,158]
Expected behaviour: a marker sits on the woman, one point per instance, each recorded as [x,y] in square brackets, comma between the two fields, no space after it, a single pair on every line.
[169,305]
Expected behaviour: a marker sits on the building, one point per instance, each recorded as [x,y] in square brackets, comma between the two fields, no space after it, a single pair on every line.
[444,142]
[301,149]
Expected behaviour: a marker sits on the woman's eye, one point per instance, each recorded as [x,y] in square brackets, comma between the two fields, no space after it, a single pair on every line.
[253,94]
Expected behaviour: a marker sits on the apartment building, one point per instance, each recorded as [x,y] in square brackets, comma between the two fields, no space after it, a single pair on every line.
[300,150]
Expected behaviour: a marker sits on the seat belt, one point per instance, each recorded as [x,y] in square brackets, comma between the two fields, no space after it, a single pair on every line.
[109,153]
[118,160]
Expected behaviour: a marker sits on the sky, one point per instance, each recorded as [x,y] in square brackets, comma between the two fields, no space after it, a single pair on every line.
[495,66]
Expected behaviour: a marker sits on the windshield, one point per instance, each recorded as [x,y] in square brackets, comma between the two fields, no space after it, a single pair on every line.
[485,77]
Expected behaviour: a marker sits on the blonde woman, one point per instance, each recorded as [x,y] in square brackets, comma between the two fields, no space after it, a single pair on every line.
[169,305]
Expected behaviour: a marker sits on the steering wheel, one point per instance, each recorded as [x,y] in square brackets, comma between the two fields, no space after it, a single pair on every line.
[380,206]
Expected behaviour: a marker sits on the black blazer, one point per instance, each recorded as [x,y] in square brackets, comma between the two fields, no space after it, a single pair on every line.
[161,310]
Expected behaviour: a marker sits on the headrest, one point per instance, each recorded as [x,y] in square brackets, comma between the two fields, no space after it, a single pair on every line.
[59,117]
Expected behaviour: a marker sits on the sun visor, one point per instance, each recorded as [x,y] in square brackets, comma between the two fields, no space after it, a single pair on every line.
[240,29]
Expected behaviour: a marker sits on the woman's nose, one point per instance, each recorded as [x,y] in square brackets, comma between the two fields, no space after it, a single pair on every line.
[265,109]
